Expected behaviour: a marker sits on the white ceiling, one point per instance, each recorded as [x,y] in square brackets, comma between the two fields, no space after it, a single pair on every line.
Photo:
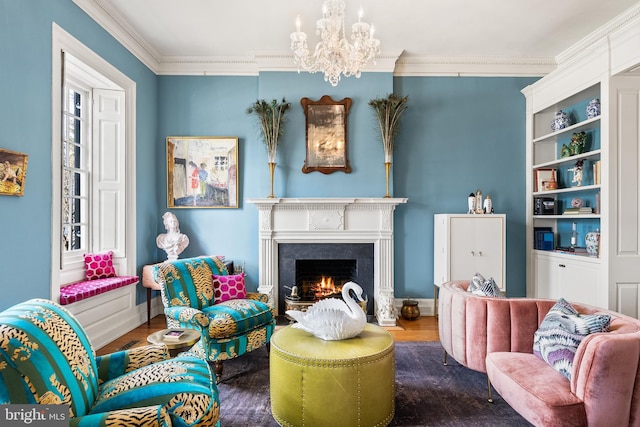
[196,35]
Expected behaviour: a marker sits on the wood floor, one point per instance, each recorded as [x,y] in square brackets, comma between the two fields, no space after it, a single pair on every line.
[425,328]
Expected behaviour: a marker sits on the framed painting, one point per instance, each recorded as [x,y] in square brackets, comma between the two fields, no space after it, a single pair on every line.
[202,172]
[326,124]
[544,177]
[13,171]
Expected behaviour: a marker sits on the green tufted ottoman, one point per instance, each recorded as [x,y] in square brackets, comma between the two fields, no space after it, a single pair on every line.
[332,383]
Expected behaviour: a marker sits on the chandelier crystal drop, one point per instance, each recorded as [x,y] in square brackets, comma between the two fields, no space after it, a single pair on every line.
[334,54]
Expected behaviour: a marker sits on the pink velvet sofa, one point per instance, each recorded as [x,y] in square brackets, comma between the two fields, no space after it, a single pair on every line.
[495,335]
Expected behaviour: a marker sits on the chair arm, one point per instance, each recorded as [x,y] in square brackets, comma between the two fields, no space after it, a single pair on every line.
[113,365]
[258,296]
[151,416]
[187,317]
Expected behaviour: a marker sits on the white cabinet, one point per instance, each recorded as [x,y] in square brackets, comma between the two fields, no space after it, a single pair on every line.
[466,244]
[567,276]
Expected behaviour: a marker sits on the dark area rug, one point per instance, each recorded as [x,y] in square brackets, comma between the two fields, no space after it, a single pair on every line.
[427,392]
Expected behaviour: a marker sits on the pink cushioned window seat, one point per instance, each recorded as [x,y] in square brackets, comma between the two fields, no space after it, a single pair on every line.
[89,288]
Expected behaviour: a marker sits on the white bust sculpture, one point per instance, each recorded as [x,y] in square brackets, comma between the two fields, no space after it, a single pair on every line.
[172,242]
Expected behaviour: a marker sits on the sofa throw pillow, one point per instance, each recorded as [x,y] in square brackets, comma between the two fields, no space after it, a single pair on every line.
[484,288]
[99,266]
[561,332]
[228,287]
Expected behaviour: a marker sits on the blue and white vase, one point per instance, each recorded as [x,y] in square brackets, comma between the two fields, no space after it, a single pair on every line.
[593,108]
[560,121]
[592,241]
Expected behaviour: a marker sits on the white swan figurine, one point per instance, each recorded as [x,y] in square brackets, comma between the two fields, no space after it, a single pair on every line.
[333,319]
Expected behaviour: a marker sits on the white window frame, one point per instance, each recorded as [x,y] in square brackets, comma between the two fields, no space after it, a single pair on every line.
[125,262]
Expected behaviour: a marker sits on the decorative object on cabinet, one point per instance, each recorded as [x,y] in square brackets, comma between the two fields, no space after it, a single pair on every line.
[13,171]
[326,125]
[546,179]
[388,112]
[488,205]
[271,118]
[577,202]
[577,173]
[202,172]
[479,202]
[560,121]
[593,108]
[471,202]
[592,241]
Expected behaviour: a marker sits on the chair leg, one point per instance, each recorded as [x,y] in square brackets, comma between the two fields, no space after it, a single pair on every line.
[490,399]
[217,370]
[445,359]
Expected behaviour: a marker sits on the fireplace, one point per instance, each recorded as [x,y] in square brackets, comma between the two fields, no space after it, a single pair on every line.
[311,266]
[328,221]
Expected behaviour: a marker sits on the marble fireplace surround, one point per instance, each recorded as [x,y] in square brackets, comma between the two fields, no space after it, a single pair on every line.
[329,220]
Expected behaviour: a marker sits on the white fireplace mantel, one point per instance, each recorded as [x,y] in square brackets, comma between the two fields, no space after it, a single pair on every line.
[329,220]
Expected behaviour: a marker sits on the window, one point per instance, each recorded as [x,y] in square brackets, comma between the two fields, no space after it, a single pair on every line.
[93,157]
[75,169]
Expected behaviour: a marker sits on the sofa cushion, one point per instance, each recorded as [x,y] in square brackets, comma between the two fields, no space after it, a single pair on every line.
[536,391]
[183,386]
[561,332]
[484,288]
[228,287]
[99,266]
[236,317]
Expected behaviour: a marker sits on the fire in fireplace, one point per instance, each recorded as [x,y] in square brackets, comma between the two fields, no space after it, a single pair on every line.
[319,270]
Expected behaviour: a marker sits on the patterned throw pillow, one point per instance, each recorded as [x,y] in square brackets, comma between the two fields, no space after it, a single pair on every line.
[228,287]
[562,331]
[99,266]
[484,288]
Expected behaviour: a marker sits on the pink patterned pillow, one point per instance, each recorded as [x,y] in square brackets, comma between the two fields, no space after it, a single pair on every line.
[228,287]
[99,266]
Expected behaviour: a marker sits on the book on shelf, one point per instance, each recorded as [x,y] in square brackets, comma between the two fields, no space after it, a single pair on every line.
[596,172]
[578,211]
[173,334]
[543,238]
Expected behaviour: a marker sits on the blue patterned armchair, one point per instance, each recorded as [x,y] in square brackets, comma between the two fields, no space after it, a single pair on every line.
[46,358]
[228,328]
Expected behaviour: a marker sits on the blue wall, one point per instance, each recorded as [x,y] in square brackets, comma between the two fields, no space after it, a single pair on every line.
[459,134]
[25,120]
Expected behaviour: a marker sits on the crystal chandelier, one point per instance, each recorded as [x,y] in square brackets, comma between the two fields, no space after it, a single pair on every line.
[334,55]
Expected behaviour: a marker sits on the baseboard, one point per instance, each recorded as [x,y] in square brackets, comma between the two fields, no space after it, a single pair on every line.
[110,315]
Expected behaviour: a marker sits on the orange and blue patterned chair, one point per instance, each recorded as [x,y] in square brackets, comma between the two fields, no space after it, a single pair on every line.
[46,358]
[228,327]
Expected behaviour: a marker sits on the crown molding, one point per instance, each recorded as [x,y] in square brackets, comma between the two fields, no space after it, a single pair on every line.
[116,25]
[601,33]
[474,66]
[397,62]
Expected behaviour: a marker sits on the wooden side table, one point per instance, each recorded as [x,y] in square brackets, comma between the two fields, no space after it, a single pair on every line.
[188,339]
